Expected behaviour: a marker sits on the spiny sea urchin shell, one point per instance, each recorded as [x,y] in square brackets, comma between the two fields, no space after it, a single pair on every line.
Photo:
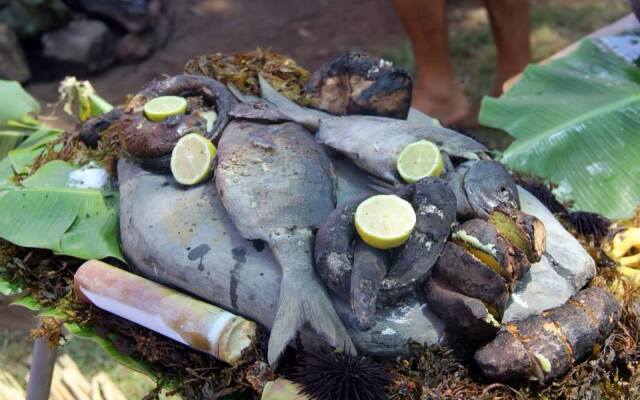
[543,193]
[590,224]
[330,375]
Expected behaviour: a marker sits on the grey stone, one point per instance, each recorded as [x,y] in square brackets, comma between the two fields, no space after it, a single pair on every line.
[184,238]
[565,267]
[13,65]
[85,43]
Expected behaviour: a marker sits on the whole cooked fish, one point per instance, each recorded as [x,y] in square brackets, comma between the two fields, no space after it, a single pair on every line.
[278,186]
[373,143]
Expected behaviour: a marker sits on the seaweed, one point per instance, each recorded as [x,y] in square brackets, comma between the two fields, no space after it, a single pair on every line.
[242,69]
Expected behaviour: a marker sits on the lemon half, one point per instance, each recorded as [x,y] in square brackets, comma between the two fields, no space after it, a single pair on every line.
[160,108]
[192,159]
[419,160]
[385,221]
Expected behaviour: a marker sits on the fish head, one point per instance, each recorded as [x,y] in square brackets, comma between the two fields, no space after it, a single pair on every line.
[487,184]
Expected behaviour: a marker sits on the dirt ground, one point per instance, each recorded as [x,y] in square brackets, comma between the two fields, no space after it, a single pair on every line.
[310,32]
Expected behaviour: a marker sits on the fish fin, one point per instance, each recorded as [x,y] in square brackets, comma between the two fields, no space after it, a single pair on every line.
[305,304]
[382,186]
[306,117]
[240,96]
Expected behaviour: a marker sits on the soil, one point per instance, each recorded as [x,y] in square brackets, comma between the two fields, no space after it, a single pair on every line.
[310,32]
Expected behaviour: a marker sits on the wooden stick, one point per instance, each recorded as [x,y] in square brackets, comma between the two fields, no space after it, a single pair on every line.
[42,364]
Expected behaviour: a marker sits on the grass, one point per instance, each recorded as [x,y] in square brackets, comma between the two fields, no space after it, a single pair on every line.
[555,25]
[15,349]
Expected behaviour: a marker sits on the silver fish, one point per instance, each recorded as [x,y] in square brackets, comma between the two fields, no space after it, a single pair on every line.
[278,186]
[373,143]
[185,239]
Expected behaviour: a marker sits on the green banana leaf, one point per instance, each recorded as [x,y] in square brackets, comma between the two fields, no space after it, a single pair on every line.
[576,122]
[15,106]
[47,212]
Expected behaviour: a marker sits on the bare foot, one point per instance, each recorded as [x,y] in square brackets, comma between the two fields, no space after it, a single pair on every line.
[451,107]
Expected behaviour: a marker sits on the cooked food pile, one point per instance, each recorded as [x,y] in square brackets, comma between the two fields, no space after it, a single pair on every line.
[344,226]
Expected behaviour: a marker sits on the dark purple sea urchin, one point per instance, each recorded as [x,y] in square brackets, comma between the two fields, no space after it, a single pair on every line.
[542,192]
[590,224]
[330,375]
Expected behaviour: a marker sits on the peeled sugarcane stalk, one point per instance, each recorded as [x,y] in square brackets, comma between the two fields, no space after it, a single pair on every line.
[166,311]
[542,347]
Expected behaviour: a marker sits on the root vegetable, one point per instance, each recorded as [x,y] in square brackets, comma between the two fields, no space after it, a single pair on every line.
[192,322]
[545,346]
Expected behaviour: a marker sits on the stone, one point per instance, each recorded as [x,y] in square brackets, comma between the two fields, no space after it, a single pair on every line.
[133,15]
[564,269]
[13,65]
[183,237]
[83,44]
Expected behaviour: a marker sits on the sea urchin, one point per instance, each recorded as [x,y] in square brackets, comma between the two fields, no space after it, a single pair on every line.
[590,224]
[331,375]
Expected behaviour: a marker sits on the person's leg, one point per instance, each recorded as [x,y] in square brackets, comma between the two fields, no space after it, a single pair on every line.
[511,29]
[435,90]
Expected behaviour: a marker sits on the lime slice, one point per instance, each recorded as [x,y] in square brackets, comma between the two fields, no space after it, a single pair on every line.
[192,158]
[385,221]
[160,108]
[418,160]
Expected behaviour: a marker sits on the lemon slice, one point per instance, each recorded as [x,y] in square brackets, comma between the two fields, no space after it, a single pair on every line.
[385,221]
[160,108]
[419,160]
[192,158]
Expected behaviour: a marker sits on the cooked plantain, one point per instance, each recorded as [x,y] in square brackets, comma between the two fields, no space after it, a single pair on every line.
[483,241]
[460,312]
[525,231]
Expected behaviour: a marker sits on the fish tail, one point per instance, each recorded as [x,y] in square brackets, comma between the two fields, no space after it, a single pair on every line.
[304,302]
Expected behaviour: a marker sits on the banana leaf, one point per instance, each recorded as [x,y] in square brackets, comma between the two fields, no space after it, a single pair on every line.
[15,106]
[576,122]
[47,212]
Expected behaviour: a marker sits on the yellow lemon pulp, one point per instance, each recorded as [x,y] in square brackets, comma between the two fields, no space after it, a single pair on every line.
[192,159]
[385,221]
[419,160]
[160,108]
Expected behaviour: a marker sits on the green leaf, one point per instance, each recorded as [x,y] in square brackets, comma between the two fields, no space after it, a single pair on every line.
[25,154]
[15,102]
[9,288]
[86,332]
[46,213]
[576,122]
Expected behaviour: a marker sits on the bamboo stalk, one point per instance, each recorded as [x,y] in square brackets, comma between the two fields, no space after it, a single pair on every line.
[193,322]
